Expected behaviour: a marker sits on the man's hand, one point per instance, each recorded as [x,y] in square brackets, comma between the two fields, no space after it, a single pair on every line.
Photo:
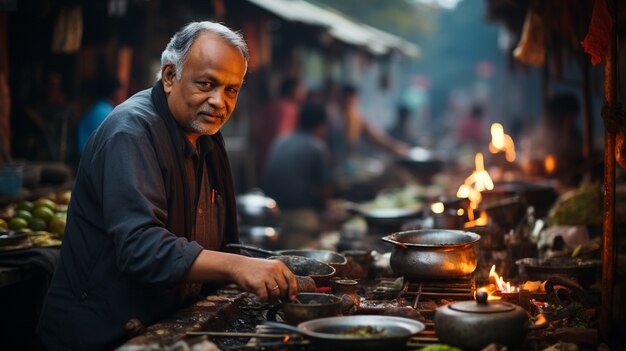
[268,279]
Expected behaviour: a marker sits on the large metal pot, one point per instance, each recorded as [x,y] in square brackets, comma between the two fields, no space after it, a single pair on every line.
[476,324]
[332,333]
[433,253]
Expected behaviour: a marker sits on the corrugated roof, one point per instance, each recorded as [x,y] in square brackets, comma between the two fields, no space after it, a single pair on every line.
[339,26]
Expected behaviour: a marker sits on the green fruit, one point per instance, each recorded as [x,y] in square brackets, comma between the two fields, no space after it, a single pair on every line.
[17,223]
[37,223]
[46,203]
[64,197]
[25,205]
[44,213]
[3,224]
[57,226]
[23,214]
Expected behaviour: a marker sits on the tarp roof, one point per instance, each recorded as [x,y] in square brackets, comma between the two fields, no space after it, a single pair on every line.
[339,26]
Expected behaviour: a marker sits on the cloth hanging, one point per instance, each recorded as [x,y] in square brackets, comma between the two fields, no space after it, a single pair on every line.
[596,42]
[68,30]
[531,47]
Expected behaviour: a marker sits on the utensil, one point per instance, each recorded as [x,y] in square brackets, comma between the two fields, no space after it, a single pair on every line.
[336,260]
[256,209]
[433,253]
[583,271]
[310,306]
[476,324]
[320,272]
[333,333]
[387,219]
[539,195]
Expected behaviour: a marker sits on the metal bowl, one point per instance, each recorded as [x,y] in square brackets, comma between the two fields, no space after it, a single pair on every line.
[320,272]
[311,306]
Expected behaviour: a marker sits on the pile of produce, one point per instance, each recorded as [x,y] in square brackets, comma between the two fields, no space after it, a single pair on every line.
[43,219]
[583,206]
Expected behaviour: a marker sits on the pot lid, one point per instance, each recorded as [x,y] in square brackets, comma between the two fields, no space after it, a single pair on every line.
[482,306]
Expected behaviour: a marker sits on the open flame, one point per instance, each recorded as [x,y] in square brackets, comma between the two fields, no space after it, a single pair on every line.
[482,220]
[549,164]
[471,189]
[501,142]
[437,207]
[497,285]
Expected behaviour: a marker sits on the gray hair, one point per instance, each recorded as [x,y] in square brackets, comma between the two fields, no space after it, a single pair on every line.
[178,47]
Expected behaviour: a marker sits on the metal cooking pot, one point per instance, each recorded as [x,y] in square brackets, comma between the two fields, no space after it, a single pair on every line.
[539,195]
[260,235]
[391,219]
[336,260]
[320,272]
[433,253]
[476,324]
[331,332]
[311,306]
[422,163]
[256,209]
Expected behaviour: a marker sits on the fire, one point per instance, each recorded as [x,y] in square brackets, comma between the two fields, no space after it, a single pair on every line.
[437,207]
[482,220]
[497,285]
[477,182]
[501,142]
[549,163]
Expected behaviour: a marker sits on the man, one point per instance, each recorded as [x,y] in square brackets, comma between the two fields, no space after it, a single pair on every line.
[297,177]
[153,203]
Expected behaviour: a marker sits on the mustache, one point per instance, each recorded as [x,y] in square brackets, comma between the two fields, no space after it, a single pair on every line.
[212,113]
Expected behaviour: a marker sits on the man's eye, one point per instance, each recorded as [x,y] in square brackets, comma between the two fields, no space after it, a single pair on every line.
[204,84]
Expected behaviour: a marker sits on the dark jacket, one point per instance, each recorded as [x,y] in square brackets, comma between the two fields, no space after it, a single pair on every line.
[124,251]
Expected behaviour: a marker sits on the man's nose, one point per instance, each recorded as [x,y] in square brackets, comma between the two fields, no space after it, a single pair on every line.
[216,98]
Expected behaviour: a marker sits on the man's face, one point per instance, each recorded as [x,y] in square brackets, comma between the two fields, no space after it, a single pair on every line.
[205,96]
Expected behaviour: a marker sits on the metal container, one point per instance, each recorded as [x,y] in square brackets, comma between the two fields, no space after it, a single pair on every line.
[256,209]
[331,333]
[320,272]
[336,260]
[311,306]
[583,271]
[433,253]
[476,324]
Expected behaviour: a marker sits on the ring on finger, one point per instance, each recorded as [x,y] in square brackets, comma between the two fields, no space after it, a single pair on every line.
[274,288]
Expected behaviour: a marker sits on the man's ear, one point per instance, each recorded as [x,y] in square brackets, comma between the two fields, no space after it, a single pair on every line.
[168,74]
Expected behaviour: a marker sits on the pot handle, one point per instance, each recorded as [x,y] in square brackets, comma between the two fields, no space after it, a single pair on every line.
[253,249]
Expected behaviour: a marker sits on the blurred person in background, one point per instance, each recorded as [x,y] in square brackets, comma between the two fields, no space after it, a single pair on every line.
[278,118]
[153,204]
[402,128]
[104,91]
[297,177]
[470,130]
[352,129]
